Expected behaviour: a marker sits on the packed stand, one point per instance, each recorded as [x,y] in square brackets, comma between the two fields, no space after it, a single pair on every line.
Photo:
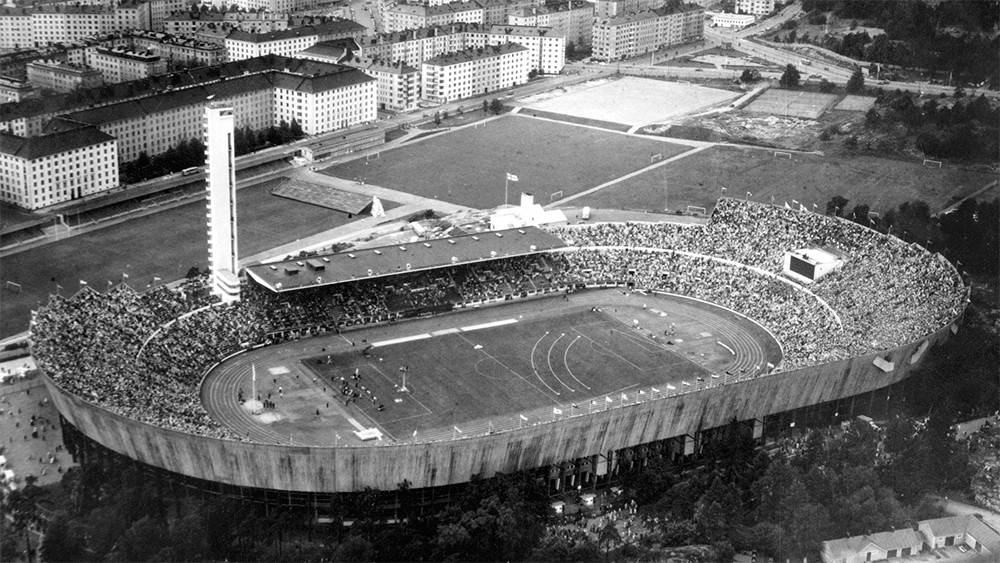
[888,293]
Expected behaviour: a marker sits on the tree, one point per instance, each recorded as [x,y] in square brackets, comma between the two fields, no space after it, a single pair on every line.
[608,535]
[790,78]
[750,75]
[825,86]
[837,205]
[486,106]
[63,540]
[496,106]
[856,83]
[296,129]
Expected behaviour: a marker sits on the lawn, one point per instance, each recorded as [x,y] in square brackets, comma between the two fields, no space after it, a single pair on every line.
[164,244]
[698,180]
[468,166]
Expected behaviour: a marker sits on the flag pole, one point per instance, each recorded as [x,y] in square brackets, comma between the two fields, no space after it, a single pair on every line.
[254,390]
[506,184]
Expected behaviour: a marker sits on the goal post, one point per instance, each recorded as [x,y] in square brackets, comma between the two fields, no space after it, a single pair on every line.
[928,163]
[555,196]
[695,210]
[371,156]
[655,157]
[782,154]
[13,287]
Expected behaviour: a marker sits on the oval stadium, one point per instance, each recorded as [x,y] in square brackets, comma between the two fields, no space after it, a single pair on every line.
[570,351]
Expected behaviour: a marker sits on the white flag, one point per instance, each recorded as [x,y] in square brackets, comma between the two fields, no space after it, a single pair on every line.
[624,397]
[124,275]
[524,417]
[83,282]
[556,411]
[607,399]
[787,206]
[414,433]
[457,430]
[655,390]
[803,207]
[511,177]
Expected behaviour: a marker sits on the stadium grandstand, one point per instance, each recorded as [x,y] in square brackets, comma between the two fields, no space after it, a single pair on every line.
[144,356]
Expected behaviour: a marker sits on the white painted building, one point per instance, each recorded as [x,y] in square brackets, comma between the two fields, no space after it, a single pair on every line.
[737,21]
[220,180]
[37,172]
[122,64]
[755,7]
[548,47]
[58,76]
[410,16]
[455,76]
[243,45]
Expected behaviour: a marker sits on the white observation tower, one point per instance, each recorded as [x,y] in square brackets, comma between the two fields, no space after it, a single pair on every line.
[220,174]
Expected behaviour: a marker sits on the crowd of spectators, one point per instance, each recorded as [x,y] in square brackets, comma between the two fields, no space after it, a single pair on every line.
[143,355]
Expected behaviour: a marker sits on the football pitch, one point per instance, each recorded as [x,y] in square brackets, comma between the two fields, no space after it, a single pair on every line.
[469,166]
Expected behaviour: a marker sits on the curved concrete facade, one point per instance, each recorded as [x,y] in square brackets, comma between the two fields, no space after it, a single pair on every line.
[346,469]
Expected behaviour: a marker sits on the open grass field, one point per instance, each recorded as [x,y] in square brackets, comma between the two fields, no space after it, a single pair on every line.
[164,244]
[698,180]
[630,100]
[468,166]
[795,103]
[483,369]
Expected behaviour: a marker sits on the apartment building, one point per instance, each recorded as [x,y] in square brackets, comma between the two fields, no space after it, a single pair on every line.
[243,45]
[635,34]
[547,47]
[409,16]
[14,90]
[41,171]
[397,84]
[573,19]
[179,49]
[188,22]
[59,76]
[474,71]
[414,46]
[122,64]
[755,7]
[276,6]
[497,12]
[59,23]
[321,97]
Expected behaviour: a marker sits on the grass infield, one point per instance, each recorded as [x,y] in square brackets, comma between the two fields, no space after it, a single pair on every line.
[469,166]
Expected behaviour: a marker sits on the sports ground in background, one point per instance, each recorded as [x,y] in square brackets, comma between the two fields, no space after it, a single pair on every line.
[164,244]
[469,166]
[482,369]
[698,180]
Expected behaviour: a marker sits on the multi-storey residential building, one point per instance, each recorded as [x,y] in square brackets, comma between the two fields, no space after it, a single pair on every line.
[398,84]
[42,171]
[14,90]
[499,11]
[643,32]
[574,19]
[548,48]
[188,22]
[321,97]
[62,77]
[242,45]
[59,23]
[407,16]
[160,9]
[414,46]
[276,6]
[179,49]
[474,71]
[122,64]
[755,7]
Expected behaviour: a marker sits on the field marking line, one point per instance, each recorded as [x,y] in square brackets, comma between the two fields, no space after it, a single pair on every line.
[387,378]
[400,340]
[549,360]
[649,168]
[566,363]
[487,325]
[593,342]
[533,368]
[356,424]
[521,377]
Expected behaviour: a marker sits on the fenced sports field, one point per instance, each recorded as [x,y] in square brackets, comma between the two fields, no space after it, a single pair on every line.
[808,105]
[855,103]
[469,166]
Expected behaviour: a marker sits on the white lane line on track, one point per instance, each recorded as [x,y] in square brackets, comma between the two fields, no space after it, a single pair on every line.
[521,377]
[549,359]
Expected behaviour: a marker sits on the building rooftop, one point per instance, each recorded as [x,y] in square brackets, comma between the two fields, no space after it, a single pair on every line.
[32,148]
[474,54]
[328,28]
[63,66]
[121,51]
[524,31]
[429,11]
[420,33]
[330,269]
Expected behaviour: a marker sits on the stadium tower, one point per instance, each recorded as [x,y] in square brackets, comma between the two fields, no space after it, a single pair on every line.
[221,185]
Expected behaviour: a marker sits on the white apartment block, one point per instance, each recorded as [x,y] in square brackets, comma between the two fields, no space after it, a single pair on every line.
[407,16]
[13,90]
[243,45]
[472,72]
[397,84]
[179,48]
[547,47]
[755,7]
[160,9]
[59,23]
[276,5]
[499,11]
[41,171]
[322,99]
[188,22]
[643,32]
[573,19]
[122,64]
[58,76]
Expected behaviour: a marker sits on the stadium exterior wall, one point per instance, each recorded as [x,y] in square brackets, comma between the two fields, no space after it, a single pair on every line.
[347,469]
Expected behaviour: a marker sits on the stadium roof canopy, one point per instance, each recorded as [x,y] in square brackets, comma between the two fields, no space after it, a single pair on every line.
[368,263]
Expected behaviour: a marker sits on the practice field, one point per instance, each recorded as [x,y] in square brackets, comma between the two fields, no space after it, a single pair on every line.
[698,180]
[482,370]
[165,244]
[809,105]
[631,100]
[855,103]
[469,166]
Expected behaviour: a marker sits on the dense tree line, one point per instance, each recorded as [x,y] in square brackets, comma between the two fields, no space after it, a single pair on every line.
[246,140]
[916,35]
[184,155]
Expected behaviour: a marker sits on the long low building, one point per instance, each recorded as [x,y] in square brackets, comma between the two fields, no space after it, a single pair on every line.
[474,71]
[41,171]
